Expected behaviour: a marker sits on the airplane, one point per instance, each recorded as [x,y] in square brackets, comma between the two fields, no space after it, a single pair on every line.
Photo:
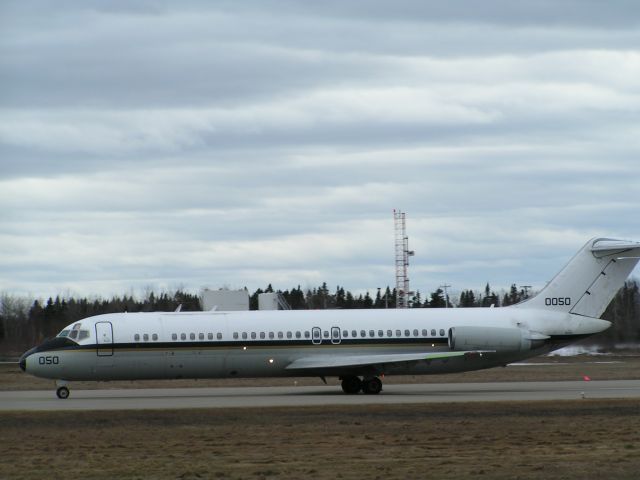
[357,346]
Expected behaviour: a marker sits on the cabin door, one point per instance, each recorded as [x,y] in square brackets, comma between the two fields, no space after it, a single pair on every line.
[104,339]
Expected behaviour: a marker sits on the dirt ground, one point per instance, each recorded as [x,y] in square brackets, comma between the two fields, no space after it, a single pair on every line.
[538,369]
[529,440]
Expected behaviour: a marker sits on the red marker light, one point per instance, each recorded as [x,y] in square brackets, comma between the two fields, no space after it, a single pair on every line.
[586,378]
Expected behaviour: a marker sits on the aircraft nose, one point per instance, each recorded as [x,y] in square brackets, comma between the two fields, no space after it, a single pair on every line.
[23,359]
[23,363]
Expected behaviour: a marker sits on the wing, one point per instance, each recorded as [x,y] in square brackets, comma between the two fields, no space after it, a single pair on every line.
[378,362]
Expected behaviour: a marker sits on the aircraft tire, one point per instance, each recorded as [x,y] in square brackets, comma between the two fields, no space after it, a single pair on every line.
[372,386]
[62,393]
[351,385]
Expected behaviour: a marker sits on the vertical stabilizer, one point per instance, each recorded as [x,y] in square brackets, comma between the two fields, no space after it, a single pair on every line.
[588,283]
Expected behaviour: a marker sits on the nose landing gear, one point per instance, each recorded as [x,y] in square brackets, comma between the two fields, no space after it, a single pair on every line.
[62,391]
[352,385]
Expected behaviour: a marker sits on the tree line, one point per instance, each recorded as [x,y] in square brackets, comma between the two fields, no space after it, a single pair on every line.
[24,323]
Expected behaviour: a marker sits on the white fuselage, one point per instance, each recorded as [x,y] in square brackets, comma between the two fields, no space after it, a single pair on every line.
[266,343]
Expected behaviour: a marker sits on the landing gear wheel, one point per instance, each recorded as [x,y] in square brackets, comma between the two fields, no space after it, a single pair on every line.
[372,386]
[62,392]
[351,385]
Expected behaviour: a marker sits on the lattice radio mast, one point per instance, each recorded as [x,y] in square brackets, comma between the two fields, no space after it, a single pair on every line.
[403,253]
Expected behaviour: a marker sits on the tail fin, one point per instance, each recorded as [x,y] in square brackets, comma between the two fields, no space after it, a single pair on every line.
[588,283]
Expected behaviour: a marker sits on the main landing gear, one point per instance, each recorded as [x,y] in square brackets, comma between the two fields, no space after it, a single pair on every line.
[351,385]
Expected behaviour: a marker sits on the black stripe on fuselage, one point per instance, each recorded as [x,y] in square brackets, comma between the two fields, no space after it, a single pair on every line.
[221,344]
[194,345]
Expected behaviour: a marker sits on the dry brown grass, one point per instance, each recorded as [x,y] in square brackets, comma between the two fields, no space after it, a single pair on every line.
[569,439]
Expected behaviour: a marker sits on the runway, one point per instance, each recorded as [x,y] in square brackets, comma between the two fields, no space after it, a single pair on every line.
[262,397]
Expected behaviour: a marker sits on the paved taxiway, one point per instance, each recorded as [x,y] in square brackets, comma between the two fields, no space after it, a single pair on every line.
[230,397]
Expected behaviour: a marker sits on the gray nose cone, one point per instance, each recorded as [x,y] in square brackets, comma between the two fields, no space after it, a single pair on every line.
[23,359]
[23,363]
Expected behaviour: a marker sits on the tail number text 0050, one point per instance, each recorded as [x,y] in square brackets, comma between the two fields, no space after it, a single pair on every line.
[555,301]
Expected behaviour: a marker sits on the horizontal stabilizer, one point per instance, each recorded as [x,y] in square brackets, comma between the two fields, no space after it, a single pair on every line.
[617,248]
[351,361]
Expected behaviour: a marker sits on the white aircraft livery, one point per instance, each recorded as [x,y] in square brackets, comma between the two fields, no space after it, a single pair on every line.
[357,346]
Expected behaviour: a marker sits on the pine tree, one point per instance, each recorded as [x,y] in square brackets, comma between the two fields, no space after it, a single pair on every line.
[437,299]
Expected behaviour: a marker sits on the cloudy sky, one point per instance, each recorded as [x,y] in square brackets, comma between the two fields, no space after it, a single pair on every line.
[190,144]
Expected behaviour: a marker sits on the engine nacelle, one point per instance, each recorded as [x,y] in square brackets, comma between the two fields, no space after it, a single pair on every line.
[489,338]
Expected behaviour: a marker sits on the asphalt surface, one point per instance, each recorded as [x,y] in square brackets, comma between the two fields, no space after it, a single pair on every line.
[239,397]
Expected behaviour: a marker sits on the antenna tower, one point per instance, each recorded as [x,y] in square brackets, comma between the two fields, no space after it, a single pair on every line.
[402,260]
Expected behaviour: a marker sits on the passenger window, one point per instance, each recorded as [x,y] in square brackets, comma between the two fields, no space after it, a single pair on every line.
[407,333]
[433,332]
[372,333]
[209,336]
[235,335]
[289,335]
[424,332]
[253,335]
[154,337]
[354,333]
[145,337]
[380,333]
[192,336]
[442,332]
[219,336]
[335,333]
[174,336]
[363,333]
[307,334]
[244,335]
[270,334]
[262,335]
[183,336]
[136,337]
[280,335]
[298,334]
[389,333]
[415,332]
[325,334]
[398,333]
[345,333]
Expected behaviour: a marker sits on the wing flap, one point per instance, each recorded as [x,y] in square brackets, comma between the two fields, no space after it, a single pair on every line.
[351,361]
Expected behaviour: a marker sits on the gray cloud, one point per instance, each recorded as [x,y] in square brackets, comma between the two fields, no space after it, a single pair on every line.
[237,144]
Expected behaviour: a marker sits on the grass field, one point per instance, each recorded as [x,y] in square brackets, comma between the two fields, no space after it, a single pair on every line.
[583,439]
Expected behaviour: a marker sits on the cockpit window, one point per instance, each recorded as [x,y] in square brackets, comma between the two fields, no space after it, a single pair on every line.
[76,333]
[73,334]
